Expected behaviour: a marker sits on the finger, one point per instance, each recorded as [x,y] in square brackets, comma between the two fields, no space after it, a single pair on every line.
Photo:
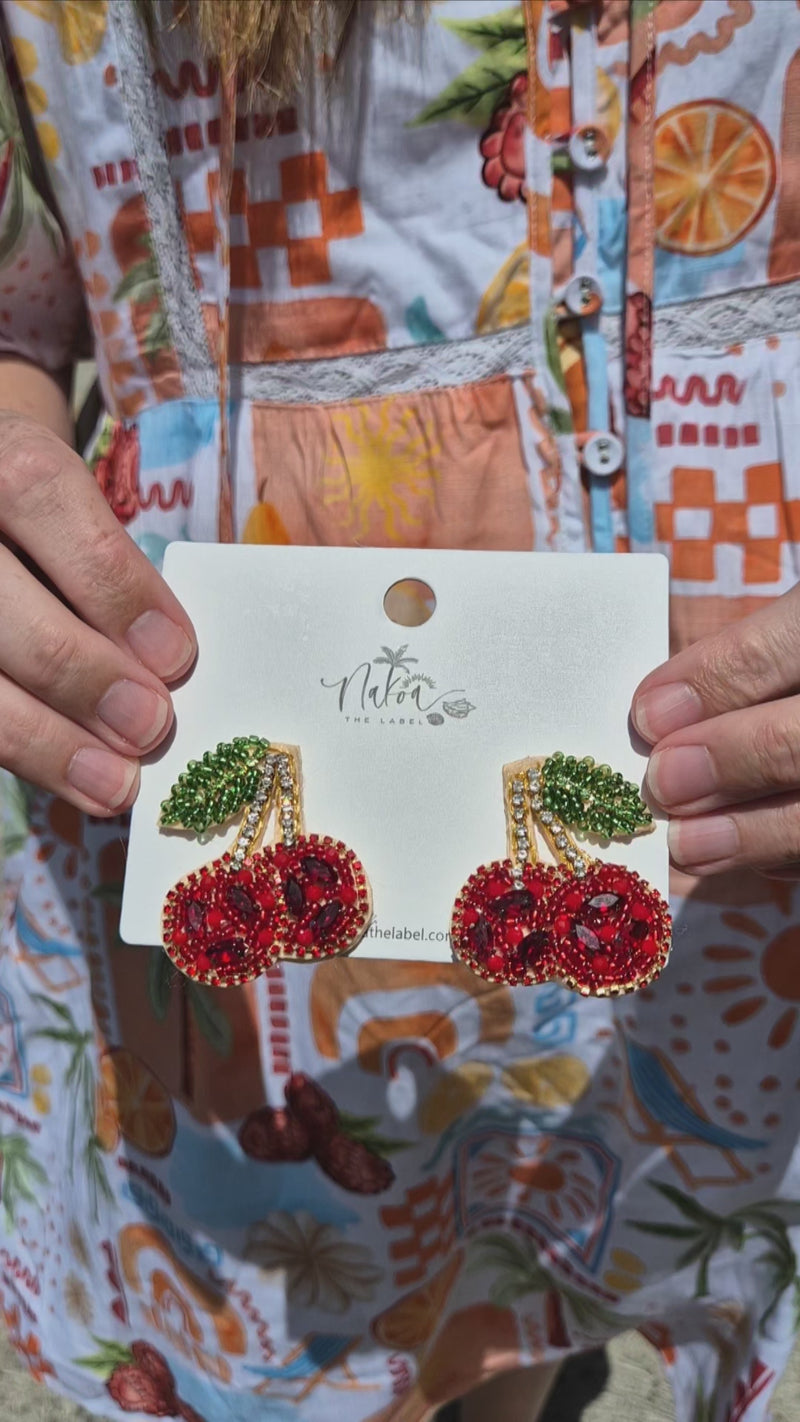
[46,749]
[47,650]
[51,507]
[754,660]
[743,755]
[789,872]
[764,835]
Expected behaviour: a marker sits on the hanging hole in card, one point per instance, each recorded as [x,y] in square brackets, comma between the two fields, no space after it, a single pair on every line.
[409,602]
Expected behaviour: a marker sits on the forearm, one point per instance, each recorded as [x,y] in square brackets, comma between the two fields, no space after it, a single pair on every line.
[29,390]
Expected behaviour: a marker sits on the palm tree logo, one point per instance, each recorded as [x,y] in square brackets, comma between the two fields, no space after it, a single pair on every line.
[396,661]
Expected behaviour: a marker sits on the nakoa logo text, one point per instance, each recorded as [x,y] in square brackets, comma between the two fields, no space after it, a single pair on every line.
[386,691]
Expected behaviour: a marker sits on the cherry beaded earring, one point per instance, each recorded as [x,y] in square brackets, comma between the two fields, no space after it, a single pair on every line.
[302,898]
[596,927]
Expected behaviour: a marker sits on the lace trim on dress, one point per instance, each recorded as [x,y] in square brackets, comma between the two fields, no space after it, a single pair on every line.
[715,322]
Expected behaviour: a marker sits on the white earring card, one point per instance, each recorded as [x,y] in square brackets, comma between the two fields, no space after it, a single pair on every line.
[403,731]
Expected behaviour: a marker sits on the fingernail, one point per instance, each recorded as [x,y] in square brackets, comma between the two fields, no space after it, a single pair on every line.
[706,840]
[160,643]
[133,711]
[103,776]
[664,709]
[681,774]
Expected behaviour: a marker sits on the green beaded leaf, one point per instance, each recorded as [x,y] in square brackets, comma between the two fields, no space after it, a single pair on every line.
[213,789]
[592,798]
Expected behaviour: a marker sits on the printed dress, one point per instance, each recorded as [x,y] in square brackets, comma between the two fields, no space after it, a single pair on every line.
[530,280]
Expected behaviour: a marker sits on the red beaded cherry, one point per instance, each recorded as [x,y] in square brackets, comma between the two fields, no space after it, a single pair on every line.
[501,925]
[611,931]
[223,926]
[327,904]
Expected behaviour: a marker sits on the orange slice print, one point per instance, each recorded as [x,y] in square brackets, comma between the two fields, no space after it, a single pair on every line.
[106,1124]
[714,176]
[143,1106]
[410,1322]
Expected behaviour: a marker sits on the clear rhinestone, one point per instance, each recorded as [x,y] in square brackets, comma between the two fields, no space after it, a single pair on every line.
[547,817]
[519,816]
[561,841]
[572,853]
[536,803]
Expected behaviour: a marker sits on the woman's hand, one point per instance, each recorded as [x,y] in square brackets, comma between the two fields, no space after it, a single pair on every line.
[723,719]
[82,681]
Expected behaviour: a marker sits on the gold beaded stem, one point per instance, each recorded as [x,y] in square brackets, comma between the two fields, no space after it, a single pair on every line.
[290,821]
[278,793]
[256,815]
[520,828]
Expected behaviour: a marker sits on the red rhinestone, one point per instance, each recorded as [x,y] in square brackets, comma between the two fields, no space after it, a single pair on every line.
[314,893]
[641,912]
[304,936]
[215,918]
[621,886]
[600,963]
[179,936]
[470,916]
[495,886]
[562,924]
[264,938]
[245,876]
[650,947]
[607,932]
[202,962]
[265,898]
[514,934]
[573,900]
[347,894]
[495,963]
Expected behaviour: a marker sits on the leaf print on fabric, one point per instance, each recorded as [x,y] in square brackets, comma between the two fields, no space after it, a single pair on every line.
[211,1020]
[520,1272]
[81,25]
[480,89]
[81,1092]
[15,799]
[321,1268]
[20,1173]
[489,30]
[20,201]
[141,285]
[703,1233]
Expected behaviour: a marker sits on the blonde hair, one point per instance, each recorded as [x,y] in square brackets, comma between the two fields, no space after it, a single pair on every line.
[270,44]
